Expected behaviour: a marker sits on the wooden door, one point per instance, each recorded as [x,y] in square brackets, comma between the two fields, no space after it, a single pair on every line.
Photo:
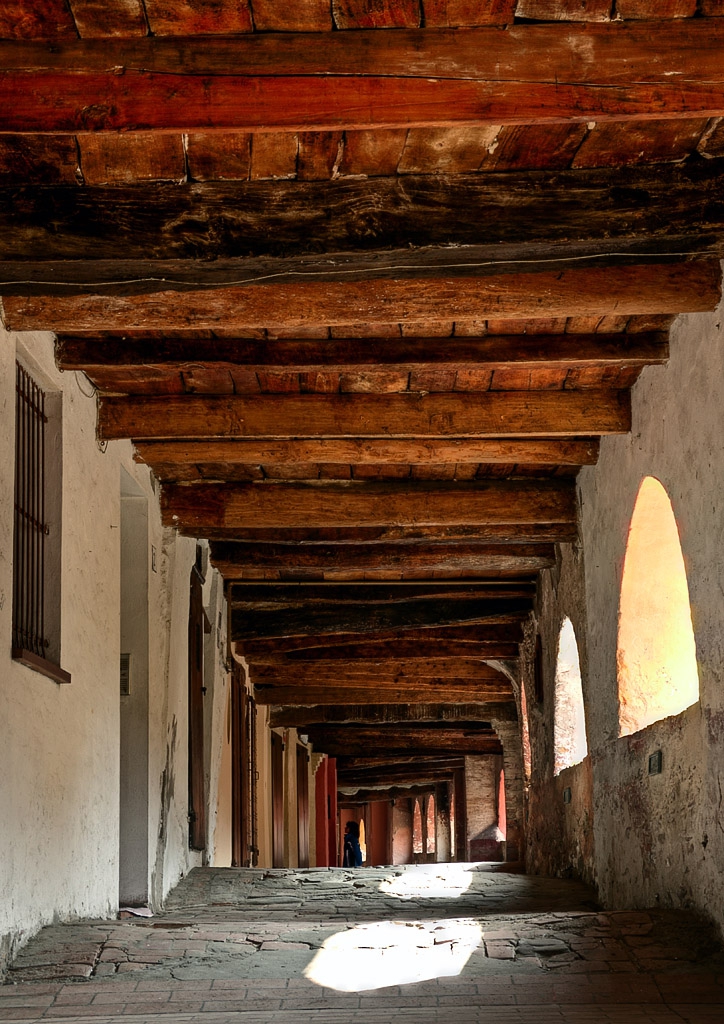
[302,806]
[277,766]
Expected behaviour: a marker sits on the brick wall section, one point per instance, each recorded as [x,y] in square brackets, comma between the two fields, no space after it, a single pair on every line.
[481,791]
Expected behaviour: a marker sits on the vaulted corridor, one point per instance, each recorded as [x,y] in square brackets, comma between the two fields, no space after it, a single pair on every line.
[428,943]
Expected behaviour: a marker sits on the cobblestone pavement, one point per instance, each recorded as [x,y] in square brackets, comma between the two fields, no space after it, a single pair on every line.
[433,943]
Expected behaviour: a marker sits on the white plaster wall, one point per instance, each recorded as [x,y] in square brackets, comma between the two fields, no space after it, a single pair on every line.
[59,758]
[660,839]
[59,761]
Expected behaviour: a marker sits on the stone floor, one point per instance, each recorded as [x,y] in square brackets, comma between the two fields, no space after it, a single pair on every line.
[454,943]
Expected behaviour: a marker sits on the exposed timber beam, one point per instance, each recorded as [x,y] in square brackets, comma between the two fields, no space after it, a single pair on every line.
[464,636]
[249,625]
[362,79]
[255,595]
[374,769]
[638,289]
[296,717]
[398,648]
[150,235]
[423,692]
[396,762]
[351,796]
[234,506]
[139,356]
[338,739]
[511,413]
[495,533]
[372,451]
[233,558]
[370,670]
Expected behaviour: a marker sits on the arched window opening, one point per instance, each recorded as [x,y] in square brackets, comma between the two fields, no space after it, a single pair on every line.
[430,838]
[417,829]
[656,656]
[569,721]
[363,840]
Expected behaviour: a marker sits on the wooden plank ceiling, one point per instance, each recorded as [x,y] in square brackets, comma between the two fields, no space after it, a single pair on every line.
[365,282]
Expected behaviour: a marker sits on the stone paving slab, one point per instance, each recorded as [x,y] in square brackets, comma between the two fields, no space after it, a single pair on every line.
[539,1014]
[463,944]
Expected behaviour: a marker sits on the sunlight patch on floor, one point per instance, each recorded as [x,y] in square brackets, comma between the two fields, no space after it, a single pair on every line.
[429,880]
[384,953]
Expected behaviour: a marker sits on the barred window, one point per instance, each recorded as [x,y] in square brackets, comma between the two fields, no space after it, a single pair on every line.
[36,538]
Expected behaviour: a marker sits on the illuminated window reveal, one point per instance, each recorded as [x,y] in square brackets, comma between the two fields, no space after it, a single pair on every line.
[569,723]
[656,657]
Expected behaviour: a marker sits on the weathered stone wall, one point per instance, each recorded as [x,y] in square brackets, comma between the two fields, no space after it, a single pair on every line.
[560,837]
[659,839]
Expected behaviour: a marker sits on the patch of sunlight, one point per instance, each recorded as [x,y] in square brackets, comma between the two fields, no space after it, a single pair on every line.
[384,953]
[429,881]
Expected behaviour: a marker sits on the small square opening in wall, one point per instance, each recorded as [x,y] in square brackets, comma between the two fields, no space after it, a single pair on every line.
[656,762]
[567,795]
[125,675]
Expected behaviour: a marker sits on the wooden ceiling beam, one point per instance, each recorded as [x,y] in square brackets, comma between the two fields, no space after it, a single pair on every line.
[370,619]
[411,414]
[494,533]
[393,693]
[385,780]
[248,625]
[232,559]
[151,235]
[236,506]
[396,762]
[491,352]
[464,636]
[298,717]
[352,796]
[399,648]
[397,670]
[258,596]
[363,79]
[372,451]
[582,290]
[334,740]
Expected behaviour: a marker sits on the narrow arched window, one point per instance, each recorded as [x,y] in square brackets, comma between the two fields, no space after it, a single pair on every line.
[569,721]
[656,656]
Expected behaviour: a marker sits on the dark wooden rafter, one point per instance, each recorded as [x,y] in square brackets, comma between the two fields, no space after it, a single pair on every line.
[154,234]
[330,81]
[495,533]
[451,691]
[370,618]
[385,649]
[232,558]
[371,451]
[297,717]
[233,506]
[472,636]
[495,352]
[264,596]
[371,670]
[472,738]
[512,414]
[643,288]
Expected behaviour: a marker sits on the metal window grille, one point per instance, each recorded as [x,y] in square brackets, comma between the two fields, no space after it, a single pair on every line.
[30,526]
